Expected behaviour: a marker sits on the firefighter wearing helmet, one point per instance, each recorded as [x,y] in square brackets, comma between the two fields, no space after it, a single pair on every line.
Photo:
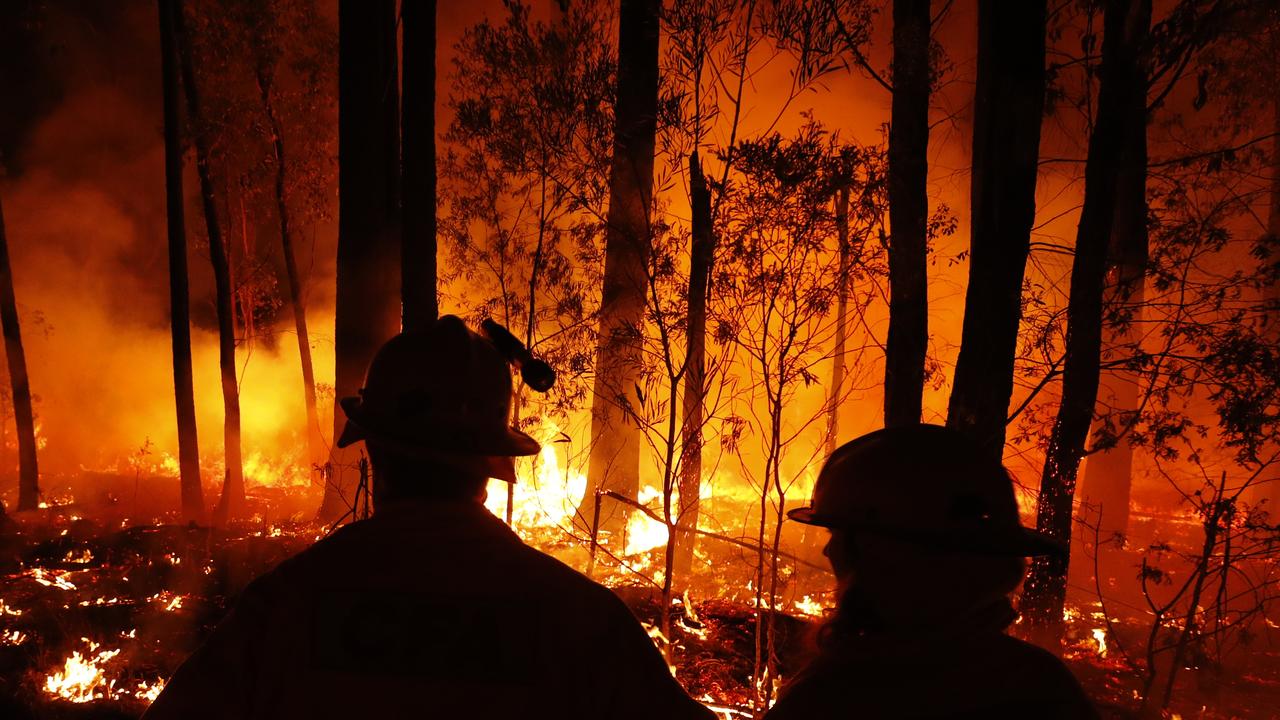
[926,547]
[432,608]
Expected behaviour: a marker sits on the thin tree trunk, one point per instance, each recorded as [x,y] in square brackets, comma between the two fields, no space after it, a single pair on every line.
[1273,217]
[315,439]
[1273,220]
[1008,109]
[1108,473]
[813,538]
[842,323]
[23,416]
[231,503]
[418,250]
[368,308]
[179,290]
[615,449]
[701,255]
[1125,24]
[908,215]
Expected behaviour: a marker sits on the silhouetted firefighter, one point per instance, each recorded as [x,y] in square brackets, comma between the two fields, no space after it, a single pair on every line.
[433,607]
[926,547]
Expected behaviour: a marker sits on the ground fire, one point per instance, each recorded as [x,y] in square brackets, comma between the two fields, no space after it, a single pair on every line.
[788,292]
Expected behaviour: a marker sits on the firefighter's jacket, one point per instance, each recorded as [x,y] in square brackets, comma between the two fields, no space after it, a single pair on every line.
[427,610]
[957,675]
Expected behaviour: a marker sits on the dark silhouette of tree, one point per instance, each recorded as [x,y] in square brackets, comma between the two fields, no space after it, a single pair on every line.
[296,173]
[1272,241]
[702,247]
[367,315]
[179,291]
[231,502]
[908,338]
[1008,108]
[692,82]
[1109,470]
[615,437]
[418,164]
[1125,27]
[1175,44]
[23,416]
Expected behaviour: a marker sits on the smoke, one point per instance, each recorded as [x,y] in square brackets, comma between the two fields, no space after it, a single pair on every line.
[84,205]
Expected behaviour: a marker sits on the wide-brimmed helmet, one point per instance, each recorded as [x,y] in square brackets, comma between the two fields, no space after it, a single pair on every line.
[927,484]
[442,394]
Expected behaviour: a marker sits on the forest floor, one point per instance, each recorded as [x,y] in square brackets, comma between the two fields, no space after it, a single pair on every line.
[94,614]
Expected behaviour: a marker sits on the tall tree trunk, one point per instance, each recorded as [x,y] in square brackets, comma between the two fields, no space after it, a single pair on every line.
[812,538]
[231,503]
[1125,26]
[315,439]
[368,309]
[179,290]
[1108,473]
[904,352]
[842,322]
[418,252]
[23,416]
[615,449]
[701,255]
[1008,108]
[1273,224]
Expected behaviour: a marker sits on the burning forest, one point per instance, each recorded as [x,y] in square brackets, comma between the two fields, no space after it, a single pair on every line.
[778,287]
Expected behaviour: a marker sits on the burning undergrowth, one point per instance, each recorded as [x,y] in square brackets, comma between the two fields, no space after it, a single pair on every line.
[94,616]
[98,607]
[99,615]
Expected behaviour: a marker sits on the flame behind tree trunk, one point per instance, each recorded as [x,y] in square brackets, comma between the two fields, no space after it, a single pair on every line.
[1108,473]
[615,449]
[179,291]
[368,214]
[418,145]
[908,215]
[231,503]
[315,440]
[23,416]
[1125,25]
[1008,110]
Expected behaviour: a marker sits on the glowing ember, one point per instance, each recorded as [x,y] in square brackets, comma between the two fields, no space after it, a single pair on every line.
[81,679]
[84,678]
[8,609]
[171,601]
[810,607]
[655,634]
[1100,637]
[148,692]
[80,558]
[101,601]
[12,637]
[52,579]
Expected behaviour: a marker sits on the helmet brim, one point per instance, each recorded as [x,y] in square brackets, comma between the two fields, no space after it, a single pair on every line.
[489,453]
[1019,542]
